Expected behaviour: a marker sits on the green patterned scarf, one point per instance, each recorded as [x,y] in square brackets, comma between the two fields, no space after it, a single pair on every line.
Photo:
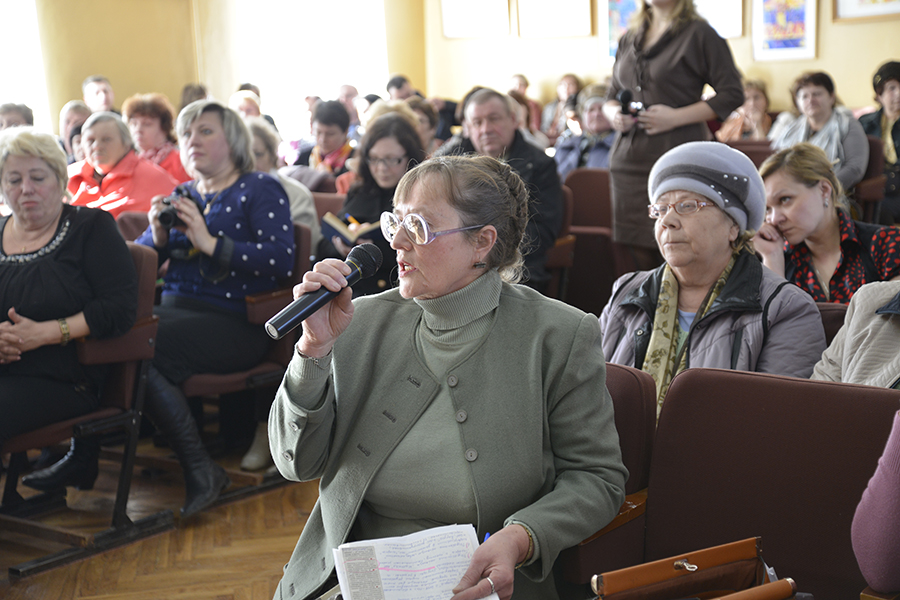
[662,355]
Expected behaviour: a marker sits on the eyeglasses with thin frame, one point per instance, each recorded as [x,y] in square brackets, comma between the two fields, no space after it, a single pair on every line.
[685,207]
[416,228]
[386,162]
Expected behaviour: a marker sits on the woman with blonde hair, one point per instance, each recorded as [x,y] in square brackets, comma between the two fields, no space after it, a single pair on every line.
[664,61]
[751,120]
[809,237]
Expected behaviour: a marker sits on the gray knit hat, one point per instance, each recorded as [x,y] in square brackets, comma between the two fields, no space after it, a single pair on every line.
[715,171]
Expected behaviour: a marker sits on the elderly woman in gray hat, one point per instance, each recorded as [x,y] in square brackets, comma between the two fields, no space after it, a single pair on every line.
[712,304]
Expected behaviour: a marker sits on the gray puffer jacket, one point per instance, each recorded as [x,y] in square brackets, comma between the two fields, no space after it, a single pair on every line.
[759,322]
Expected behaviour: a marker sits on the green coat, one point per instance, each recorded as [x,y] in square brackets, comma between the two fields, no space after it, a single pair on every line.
[538,427]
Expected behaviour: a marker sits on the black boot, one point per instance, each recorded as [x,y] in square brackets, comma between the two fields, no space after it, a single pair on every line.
[78,468]
[167,407]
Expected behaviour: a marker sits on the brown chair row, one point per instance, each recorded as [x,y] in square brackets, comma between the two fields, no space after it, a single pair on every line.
[738,455]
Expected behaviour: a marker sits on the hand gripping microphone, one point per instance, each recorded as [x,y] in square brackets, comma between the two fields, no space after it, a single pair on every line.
[364,260]
[625,97]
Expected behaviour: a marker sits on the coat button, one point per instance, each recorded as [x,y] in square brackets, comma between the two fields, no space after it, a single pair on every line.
[639,332]
[452,381]
[294,426]
[287,455]
[471,454]
[461,416]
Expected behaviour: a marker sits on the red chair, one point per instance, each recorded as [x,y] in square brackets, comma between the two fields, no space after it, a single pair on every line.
[869,192]
[757,150]
[598,261]
[832,318]
[633,394]
[267,374]
[561,256]
[123,395]
[327,202]
[740,455]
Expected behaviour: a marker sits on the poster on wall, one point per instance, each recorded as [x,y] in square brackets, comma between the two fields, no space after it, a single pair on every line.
[784,29]
[458,22]
[620,12]
[865,10]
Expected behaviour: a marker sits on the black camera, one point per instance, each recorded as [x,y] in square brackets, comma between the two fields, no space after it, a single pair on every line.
[168,217]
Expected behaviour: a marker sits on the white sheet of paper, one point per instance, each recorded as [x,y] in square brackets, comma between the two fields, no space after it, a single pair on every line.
[425,565]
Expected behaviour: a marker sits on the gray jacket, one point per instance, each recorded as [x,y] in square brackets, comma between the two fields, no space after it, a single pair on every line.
[536,419]
[759,322]
[865,349]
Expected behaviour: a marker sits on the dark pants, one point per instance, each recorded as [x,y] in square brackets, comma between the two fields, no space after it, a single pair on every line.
[28,403]
[197,337]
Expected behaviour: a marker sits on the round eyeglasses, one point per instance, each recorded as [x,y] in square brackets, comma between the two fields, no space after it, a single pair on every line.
[685,207]
[416,228]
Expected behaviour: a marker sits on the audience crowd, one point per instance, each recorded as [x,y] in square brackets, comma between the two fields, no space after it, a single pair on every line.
[730,262]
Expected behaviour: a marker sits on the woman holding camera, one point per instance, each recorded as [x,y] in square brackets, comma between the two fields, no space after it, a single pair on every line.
[230,236]
[664,60]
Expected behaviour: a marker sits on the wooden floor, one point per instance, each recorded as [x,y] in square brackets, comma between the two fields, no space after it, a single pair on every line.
[231,551]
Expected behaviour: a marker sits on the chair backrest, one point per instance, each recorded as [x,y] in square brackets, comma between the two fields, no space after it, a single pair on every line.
[326,203]
[568,211]
[832,318]
[741,454]
[634,398]
[592,199]
[875,166]
[124,352]
[282,349]
[757,150]
[132,223]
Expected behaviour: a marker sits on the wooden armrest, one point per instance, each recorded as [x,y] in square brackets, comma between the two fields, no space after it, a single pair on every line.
[618,545]
[138,343]
[264,306]
[634,506]
[870,594]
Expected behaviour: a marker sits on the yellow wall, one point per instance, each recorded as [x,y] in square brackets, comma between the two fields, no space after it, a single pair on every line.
[141,46]
[160,45]
[850,52]
[404,22]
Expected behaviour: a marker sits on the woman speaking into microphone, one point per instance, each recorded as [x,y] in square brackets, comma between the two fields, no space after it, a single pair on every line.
[664,60]
[412,411]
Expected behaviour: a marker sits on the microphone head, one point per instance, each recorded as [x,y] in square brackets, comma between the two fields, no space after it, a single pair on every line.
[624,97]
[367,257]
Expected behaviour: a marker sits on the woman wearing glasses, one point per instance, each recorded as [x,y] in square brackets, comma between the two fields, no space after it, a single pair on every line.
[390,147]
[457,398]
[712,304]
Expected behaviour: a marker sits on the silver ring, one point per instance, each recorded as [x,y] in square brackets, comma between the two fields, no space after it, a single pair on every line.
[491,581]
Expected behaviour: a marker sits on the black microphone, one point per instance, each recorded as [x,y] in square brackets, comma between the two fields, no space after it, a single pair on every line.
[364,260]
[625,97]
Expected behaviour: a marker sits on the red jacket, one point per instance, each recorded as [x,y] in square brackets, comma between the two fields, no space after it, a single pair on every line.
[130,185]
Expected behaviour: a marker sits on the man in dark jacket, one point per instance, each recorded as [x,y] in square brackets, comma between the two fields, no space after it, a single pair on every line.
[492,129]
[885,125]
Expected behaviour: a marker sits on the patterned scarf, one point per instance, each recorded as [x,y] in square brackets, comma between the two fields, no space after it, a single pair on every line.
[828,138]
[662,354]
[330,163]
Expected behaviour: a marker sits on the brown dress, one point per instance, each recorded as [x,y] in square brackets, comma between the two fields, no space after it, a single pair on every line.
[672,72]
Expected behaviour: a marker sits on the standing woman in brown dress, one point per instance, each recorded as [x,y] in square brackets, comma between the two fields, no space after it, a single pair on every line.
[665,59]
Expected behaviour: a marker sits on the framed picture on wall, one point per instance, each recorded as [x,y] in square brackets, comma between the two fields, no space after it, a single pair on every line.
[864,10]
[784,29]
[619,15]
